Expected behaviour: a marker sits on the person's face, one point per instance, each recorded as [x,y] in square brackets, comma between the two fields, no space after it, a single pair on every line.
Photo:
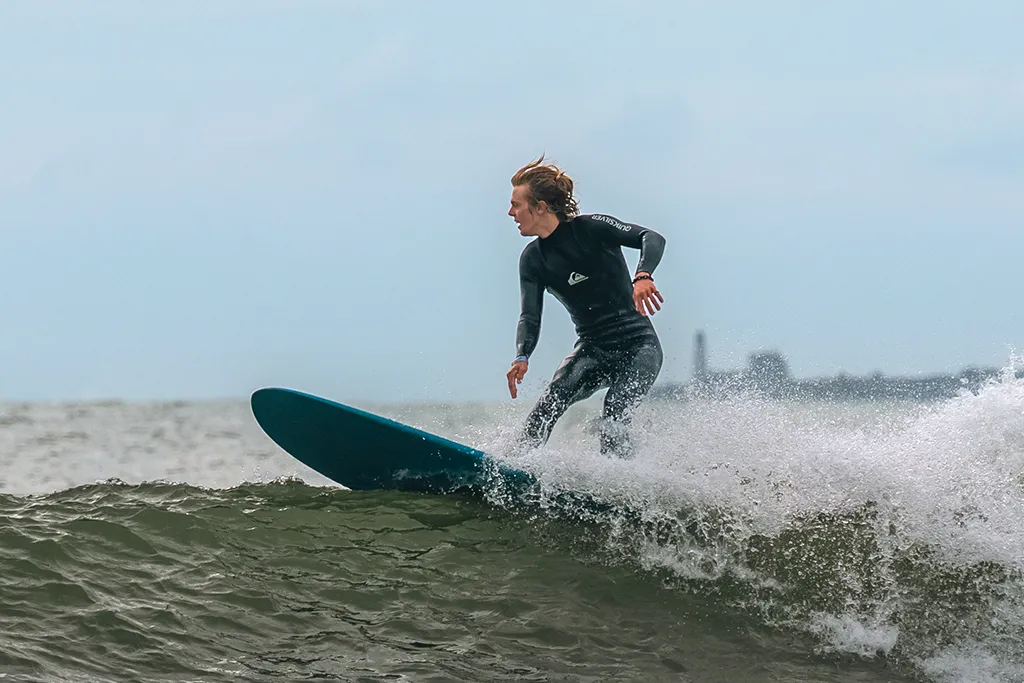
[526,217]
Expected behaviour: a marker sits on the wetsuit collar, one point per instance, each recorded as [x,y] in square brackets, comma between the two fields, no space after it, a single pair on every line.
[557,226]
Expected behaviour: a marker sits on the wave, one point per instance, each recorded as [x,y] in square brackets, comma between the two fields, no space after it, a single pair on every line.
[888,533]
[892,532]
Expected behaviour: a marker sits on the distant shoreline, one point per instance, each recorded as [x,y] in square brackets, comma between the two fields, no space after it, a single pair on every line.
[767,374]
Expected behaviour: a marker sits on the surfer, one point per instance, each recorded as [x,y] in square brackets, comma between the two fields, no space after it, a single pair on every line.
[578,258]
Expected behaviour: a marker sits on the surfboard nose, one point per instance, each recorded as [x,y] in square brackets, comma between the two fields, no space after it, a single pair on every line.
[361,450]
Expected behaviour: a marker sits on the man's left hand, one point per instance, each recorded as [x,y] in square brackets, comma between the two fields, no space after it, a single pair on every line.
[646,297]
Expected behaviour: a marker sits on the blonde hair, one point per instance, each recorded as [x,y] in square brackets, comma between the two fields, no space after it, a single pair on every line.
[548,184]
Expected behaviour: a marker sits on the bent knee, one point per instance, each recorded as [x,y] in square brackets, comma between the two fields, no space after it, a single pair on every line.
[648,357]
[554,400]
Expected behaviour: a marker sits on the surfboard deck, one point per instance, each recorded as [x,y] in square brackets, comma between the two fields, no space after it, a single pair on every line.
[363,451]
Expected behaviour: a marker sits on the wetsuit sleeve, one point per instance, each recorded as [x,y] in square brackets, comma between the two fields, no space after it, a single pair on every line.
[531,304]
[611,230]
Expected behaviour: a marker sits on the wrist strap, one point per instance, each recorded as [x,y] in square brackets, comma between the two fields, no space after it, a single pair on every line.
[638,278]
[521,359]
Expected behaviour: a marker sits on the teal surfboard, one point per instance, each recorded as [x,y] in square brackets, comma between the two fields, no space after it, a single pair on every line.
[363,451]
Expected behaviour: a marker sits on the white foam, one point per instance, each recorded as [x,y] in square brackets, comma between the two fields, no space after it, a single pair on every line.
[947,476]
[969,663]
[850,633]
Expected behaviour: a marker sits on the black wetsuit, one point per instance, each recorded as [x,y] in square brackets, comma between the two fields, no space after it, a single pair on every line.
[582,265]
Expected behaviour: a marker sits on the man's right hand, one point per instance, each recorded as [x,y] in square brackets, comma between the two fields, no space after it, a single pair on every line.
[515,375]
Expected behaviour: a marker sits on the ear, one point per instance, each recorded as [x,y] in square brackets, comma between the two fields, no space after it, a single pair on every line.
[542,207]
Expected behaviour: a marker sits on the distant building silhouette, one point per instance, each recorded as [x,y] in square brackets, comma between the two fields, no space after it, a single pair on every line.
[700,358]
[767,374]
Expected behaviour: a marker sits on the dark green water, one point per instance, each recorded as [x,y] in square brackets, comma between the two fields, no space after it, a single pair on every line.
[747,541]
[286,581]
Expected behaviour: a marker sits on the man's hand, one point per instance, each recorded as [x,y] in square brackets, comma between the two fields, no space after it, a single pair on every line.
[646,296]
[515,375]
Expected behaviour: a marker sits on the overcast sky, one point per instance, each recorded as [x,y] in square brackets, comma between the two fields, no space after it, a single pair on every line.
[198,199]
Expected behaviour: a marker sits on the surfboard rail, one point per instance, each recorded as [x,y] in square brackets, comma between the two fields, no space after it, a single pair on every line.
[361,450]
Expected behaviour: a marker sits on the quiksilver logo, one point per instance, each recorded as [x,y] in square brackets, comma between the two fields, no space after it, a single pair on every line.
[611,221]
[575,278]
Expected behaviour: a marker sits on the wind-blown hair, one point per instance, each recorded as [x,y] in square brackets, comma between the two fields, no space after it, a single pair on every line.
[548,184]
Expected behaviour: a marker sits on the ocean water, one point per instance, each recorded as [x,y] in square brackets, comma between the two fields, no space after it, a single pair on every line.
[747,541]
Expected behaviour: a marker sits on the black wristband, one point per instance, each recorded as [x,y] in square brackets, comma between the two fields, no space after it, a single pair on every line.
[638,278]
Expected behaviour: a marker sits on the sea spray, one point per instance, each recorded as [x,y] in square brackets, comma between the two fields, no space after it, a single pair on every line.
[885,530]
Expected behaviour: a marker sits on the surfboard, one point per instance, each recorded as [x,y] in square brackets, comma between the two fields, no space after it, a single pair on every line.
[364,451]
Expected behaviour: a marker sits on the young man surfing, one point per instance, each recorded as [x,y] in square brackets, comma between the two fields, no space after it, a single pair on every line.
[578,258]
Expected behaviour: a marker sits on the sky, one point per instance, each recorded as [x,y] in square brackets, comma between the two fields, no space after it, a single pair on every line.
[198,199]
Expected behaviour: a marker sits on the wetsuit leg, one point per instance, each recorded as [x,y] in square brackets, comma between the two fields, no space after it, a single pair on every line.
[580,375]
[632,379]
